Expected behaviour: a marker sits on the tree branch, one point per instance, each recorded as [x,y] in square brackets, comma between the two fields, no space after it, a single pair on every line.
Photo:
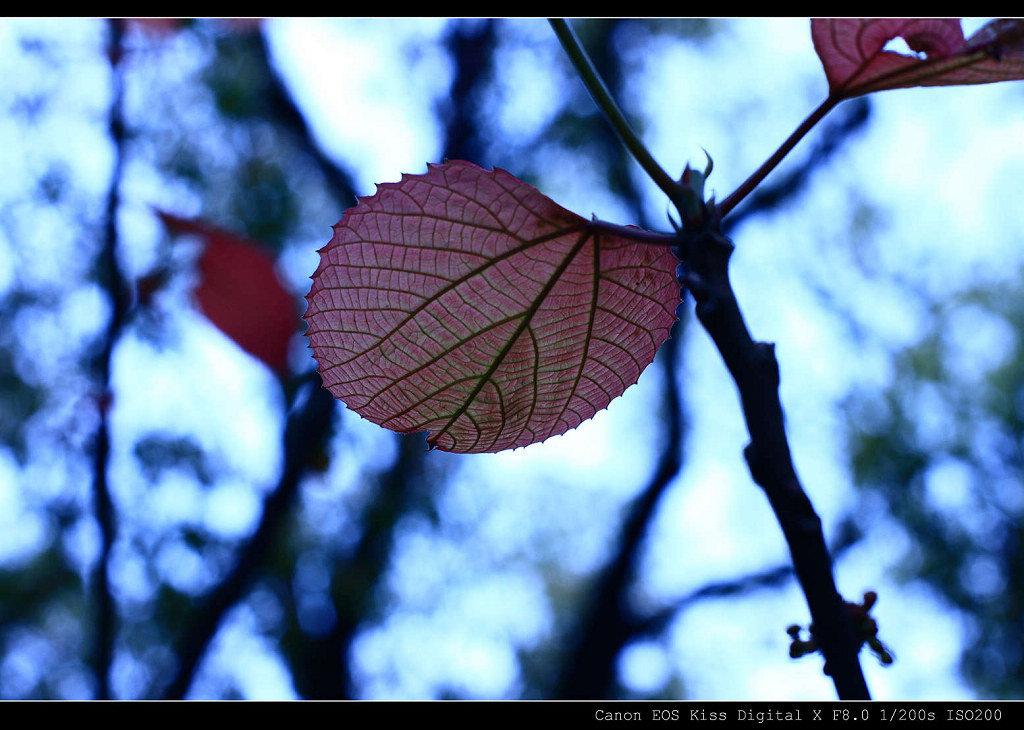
[280,101]
[305,430]
[704,252]
[608,622]
[114,283]
[470,45]
[756,372]
[304,435]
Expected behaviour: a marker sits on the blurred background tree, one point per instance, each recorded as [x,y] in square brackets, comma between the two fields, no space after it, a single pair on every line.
[184,517]
[938,454]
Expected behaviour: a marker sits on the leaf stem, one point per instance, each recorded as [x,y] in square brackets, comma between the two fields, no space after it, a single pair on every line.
[784,149]
[603,98]
[639,235]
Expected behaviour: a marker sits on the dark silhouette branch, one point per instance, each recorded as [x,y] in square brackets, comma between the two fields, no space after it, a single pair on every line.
[756,373]
[307,428]
[354,583]
[608,622]
[286,112]
[319,660]
[705,251]
[471,47]
[114,283]
[326,671]
[311,423]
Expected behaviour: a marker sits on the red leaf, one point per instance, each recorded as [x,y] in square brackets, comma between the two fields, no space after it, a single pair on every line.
[851,50]
[156,26]
[240,292]
[170,26]
[465,303]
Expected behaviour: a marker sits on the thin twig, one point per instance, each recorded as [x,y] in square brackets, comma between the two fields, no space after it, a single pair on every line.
[847,535]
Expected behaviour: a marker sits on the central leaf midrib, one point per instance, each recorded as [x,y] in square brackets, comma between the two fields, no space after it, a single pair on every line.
[434,360]
[455,283]
[500,357]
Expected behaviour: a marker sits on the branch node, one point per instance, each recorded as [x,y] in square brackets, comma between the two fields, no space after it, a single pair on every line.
[864,624]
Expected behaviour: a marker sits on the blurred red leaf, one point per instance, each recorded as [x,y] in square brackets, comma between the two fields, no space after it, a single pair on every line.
[465,303]
[851,51]
[170,26]
[156,26]
[239,292]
